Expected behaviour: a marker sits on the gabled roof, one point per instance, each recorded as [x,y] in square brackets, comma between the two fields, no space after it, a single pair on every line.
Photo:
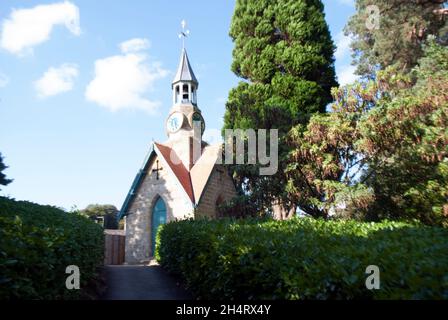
[193,182]
[202,169]
[178,168]
[135,184]
[184,71]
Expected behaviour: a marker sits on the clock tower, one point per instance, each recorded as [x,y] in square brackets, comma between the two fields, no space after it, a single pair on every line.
[181,178]
[180,124]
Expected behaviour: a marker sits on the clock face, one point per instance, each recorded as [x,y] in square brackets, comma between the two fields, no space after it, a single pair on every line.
[196,116]
[175,122]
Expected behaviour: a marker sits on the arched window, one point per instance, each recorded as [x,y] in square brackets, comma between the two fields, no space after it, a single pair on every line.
[177,94]
[185,92]
[193,94]
[158,218]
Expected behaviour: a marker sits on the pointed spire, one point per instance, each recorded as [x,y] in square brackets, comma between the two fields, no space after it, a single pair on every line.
[184,71]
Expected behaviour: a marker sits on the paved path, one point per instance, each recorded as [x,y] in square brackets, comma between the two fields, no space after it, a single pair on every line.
[141,283]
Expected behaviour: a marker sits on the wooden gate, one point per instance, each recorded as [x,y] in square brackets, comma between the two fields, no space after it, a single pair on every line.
[114,246]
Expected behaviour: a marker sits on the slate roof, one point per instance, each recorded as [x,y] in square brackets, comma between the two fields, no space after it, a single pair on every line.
[193,182]
[184,71]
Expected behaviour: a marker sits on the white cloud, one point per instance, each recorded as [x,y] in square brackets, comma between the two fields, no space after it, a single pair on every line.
[134,45]
[4,80]
[121,81]
[343,45]
[346,74]
[26,28]
[56,80]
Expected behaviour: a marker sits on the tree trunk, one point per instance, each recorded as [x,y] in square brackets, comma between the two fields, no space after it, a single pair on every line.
[280,212]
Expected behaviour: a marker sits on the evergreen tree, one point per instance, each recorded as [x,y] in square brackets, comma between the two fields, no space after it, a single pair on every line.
[284,54]
[3,180]
[383,151]
[394,34]
[107,212]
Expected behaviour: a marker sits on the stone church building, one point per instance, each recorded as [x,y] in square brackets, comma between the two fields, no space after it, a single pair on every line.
[180,178]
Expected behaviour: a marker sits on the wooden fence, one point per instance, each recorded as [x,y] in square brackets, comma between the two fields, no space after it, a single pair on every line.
[114,246]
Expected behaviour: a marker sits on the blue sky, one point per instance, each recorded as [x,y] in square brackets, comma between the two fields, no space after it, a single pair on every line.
[85,88]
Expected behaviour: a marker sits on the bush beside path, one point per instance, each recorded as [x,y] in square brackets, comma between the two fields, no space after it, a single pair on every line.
[305,258]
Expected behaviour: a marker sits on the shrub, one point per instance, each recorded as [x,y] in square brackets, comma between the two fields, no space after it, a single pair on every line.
[305,258]
[37,243]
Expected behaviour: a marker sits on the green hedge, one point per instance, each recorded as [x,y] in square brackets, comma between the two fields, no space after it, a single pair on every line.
[305,259]
[37,243]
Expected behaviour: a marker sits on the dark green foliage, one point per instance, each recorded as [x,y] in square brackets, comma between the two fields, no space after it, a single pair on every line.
[107,212]
[383,151]
[407,139]
[3,180]
[37,243]
[305,258]
[404,26]
[239,207]
[284,52]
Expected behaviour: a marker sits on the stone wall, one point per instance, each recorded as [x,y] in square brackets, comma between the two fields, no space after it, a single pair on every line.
[138,222]
[178,205]
[219,184]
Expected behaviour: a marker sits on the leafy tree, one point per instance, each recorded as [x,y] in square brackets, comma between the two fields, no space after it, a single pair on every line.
[107,212]
[3,180]
[324,159]
[284,54]
[402,28]
[408,141]
[383,151]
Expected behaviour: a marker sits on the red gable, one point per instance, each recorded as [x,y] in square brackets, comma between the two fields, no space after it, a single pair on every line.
[179,169]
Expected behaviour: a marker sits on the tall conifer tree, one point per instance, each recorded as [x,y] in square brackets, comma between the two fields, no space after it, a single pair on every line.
[393,32]
[284,54]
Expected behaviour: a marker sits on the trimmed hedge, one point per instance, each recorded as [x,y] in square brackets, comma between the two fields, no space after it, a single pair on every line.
[37,243]
[305,259]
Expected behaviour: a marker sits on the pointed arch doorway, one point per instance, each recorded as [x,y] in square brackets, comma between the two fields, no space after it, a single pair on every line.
[158,218]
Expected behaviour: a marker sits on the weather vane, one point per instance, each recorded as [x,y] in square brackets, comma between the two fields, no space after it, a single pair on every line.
[184,33]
